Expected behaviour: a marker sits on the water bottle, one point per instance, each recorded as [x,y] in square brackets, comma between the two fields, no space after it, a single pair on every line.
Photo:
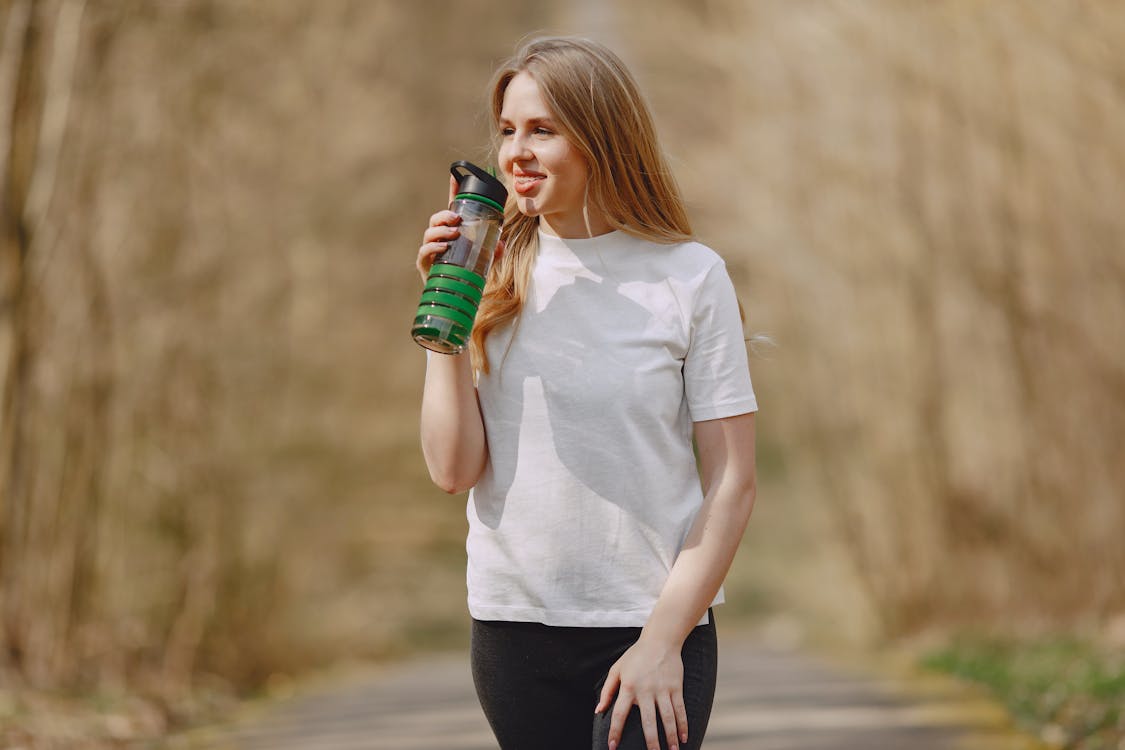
[456,281]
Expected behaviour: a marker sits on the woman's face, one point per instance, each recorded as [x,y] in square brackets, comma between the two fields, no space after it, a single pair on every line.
[547,173]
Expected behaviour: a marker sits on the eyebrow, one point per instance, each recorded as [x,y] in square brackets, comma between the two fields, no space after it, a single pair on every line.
[530,121]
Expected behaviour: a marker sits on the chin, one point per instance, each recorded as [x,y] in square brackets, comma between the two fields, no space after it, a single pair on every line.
[528,207]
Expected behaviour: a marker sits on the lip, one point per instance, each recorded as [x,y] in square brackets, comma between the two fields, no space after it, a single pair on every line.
[525,182]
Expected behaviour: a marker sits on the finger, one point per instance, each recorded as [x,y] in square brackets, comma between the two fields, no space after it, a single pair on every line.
[445,218]
[440,232]
[608,689]
[426,255]
[648,724]
[499,250]
[681,714]
[452,188]
[668,721]
[617,720]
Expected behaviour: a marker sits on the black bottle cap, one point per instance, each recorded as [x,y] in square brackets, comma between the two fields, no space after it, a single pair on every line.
[472,181]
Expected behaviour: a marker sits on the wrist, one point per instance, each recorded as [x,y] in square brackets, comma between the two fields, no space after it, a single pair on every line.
[661,639]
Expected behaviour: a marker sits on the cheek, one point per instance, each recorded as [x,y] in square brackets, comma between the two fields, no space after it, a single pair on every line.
[504,158]
[574,172]
[571,162]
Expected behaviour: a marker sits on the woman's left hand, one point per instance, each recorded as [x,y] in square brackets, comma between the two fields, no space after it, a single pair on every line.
[651,676]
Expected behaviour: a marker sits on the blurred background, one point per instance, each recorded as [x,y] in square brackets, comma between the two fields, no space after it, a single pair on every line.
[210,477]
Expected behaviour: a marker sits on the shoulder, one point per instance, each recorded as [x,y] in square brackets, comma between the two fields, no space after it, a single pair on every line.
[697,256]
[681,260]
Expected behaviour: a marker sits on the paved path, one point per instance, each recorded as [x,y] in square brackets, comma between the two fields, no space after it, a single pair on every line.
[767,700]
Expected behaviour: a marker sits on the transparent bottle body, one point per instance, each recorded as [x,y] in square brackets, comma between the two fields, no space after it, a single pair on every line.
[480,231]
[455,284]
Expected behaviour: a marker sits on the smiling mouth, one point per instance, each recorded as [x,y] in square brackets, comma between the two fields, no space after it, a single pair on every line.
[523,183]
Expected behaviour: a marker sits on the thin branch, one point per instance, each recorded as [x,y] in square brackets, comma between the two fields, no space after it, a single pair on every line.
[11,57]
[56,106]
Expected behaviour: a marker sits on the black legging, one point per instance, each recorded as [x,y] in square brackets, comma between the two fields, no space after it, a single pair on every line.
[539,684]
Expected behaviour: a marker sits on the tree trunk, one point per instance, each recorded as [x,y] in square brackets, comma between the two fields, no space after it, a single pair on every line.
[18,109]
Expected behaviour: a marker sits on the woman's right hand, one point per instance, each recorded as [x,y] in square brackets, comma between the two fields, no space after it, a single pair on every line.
[435,240]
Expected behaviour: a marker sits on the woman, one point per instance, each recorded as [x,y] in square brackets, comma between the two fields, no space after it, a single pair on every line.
[605,340]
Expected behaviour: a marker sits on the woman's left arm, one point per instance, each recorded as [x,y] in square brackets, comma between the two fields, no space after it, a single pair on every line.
[650,674]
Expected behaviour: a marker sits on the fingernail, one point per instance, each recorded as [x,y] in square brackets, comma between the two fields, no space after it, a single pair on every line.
[612,745]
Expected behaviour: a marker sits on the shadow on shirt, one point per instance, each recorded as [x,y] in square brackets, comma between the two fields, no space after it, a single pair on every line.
[592,386]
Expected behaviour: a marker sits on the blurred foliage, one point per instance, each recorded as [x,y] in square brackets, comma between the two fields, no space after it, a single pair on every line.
[1069,692]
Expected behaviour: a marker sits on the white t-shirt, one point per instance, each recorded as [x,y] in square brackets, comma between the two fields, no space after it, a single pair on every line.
[591,484]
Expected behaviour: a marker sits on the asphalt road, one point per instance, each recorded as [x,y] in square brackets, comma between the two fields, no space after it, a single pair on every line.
[767,700]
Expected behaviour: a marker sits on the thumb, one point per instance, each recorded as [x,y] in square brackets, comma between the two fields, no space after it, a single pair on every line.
[452,188]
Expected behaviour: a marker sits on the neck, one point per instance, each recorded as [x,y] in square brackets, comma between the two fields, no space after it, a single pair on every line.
[580,225]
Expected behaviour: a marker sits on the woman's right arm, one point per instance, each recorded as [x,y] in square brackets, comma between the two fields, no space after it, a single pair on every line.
[452,428]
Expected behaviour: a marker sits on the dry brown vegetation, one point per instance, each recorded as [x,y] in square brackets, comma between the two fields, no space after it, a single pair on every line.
[931,228]
[208,460]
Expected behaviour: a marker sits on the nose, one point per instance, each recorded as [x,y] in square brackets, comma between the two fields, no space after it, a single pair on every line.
[521,149]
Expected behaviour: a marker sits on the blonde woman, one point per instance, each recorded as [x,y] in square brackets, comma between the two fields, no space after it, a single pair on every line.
[607,339]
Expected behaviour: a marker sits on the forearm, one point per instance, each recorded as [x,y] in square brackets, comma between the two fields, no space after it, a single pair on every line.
[453,439]
[703,562]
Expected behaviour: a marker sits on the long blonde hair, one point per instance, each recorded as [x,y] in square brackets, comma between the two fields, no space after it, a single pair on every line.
[598,107]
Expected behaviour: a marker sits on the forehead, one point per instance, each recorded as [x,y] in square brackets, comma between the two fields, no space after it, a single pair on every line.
[523,101]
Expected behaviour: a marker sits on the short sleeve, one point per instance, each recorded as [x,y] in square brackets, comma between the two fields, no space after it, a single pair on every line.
[716,371]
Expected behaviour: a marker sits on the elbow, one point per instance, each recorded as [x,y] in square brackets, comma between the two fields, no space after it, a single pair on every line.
[734,497]
[749,496]
[450,485]
[454,471]
[454,480]
[743,501]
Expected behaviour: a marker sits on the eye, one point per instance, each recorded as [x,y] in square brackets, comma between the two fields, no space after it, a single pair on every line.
[542,131]
[507,131]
